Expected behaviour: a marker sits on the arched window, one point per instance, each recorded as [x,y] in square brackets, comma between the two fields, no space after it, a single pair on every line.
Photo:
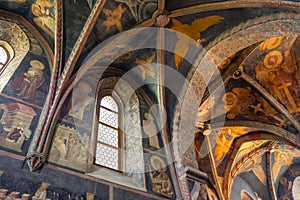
[116,140]
[108,139]
[4,57]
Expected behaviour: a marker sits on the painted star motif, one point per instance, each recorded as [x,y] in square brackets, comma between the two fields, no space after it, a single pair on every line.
[133,6]
[193,34]
[114,17]
[145,67]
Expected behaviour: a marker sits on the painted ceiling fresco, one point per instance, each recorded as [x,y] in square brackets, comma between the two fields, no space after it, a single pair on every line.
[223,75]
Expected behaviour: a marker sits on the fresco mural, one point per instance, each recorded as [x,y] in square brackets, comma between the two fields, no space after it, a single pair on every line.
[288,187]
[161,183]
[224,139]
[261,94]
[39,12]
[277,70]
[146,67]
[25,80]
[283,156]
[114,18]
[150,130]
[44,11]
[26,84]
[192,31]
[70,147]
[15,121]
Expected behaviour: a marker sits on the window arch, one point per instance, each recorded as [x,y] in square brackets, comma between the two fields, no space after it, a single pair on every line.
[109,138]
[4,57]
[130,147]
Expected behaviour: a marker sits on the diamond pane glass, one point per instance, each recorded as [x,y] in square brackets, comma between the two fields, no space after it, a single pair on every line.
[108,135]
[108,117]
[107,156]
[3,55]
[110,103]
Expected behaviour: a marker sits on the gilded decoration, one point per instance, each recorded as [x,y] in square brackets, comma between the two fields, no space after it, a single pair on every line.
[161,182]
[193,32]
[248,147]
[283,156]
[270,43]
[250,105]
[114,18]
[146,67]
[43,10]
[224,139]
[279,74]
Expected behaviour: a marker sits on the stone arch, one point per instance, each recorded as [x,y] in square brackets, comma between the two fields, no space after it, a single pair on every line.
[19,42]
[131,125]
[230,42]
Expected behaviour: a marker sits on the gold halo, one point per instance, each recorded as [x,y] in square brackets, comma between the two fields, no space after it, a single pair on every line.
[36,10]
[271,43]
[157,163]
[84,86]
[37,64]
[273,59]
[230,98]
[274,42]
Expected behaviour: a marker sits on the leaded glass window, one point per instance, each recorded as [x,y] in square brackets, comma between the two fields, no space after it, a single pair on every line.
[108,139]
[3,57]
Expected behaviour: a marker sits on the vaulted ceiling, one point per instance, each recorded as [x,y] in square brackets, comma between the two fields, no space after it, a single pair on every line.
[230,77]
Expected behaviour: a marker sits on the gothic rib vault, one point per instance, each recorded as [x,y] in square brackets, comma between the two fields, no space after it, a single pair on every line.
[208,93]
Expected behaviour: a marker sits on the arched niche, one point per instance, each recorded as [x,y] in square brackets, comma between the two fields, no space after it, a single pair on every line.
[83,128]
[15,37]
[26,47]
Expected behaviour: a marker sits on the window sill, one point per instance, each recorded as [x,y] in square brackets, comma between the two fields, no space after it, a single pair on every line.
[114,177]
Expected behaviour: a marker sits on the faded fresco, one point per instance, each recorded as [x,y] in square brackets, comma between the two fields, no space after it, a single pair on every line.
[25,79]
[238,140]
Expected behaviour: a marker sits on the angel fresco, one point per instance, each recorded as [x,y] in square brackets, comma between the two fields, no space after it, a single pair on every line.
[146,67]
[28,82]
[192,33]
[44,17]
[114,18]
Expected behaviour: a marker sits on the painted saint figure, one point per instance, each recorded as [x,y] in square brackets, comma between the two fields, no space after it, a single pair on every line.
[43,10]
[27,83]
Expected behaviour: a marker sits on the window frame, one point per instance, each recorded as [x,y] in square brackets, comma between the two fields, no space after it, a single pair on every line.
[121,139]
[132,174]
[9,52]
